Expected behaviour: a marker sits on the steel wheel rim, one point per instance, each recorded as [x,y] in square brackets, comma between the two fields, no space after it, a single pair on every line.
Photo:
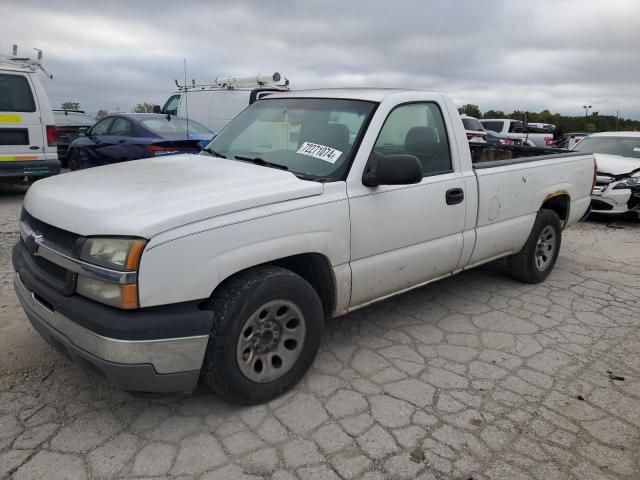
[545,247]
[271,341]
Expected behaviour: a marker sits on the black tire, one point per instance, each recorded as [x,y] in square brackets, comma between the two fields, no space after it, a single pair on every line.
[233,306]
[73,160]
[534,262]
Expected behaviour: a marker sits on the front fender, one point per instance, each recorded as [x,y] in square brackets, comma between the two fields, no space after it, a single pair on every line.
[192,266]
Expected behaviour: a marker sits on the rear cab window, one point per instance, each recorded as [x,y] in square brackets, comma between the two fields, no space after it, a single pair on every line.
[495,126]
[515,126]
[472,124]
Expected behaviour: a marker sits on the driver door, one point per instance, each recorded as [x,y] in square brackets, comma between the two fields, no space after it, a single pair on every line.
[406,235]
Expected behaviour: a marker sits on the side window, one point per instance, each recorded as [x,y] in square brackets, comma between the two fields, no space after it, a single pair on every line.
[417,129]
[102,126]
[171,107]
[515,127]
[121,128]
[15,94]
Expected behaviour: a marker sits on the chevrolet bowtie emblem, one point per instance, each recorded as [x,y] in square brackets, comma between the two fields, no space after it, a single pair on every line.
[32,243]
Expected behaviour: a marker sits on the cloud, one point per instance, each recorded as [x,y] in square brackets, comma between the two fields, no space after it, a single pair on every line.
[555,54]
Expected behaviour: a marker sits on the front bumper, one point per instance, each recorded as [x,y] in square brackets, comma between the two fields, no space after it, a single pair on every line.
[155,350]
[30,168]
[615,201]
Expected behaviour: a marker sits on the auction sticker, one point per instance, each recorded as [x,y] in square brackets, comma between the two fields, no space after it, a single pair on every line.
[321,152]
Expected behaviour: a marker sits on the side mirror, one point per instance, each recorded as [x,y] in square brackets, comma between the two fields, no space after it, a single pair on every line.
[394,169]
[82,131]
[157,109]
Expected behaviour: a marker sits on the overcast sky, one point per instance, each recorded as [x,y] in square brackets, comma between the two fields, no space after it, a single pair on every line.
[505,54]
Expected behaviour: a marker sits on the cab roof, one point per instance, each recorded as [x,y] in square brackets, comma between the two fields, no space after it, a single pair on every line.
[368,94]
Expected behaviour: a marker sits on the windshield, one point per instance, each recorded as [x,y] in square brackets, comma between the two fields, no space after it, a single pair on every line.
[175,126]
[309,136]
[624,146]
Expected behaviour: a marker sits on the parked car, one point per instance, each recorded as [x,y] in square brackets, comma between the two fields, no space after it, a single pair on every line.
[474,129]
[225,265]
[68,123]
[131,136]
[27,131]
[516,129]
[215,105]
[617,187]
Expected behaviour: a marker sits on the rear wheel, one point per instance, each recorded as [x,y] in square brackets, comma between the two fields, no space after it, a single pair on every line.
[538,256]
[268,324]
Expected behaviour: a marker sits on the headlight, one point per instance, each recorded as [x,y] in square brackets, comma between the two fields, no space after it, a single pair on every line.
[113,294]
[116,253]
[122,254]
[627,183]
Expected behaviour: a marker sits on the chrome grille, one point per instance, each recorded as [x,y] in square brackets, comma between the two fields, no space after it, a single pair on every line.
[61,238]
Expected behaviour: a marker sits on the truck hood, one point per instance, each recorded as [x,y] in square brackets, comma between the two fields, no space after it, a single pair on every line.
[145,197]
[616,164]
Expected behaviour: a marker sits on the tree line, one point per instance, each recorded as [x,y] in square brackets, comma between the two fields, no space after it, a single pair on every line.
[592,123]
[139,108]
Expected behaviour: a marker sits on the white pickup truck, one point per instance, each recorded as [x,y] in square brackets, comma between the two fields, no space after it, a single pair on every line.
[531,136]
[309,205]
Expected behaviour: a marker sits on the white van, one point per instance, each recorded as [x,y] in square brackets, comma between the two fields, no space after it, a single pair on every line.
[27,128]
[217,104]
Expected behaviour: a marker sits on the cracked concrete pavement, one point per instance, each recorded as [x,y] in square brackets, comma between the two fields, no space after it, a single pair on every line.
[477,376]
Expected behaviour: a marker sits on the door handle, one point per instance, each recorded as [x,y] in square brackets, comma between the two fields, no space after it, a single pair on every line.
[454,196]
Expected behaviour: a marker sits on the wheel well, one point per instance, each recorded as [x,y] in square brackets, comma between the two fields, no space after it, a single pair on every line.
[315,269]
[560,205]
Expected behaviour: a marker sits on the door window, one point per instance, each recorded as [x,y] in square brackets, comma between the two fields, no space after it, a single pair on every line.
[417,129]
[121,128]
[102,126]
[15,94]
[171,107]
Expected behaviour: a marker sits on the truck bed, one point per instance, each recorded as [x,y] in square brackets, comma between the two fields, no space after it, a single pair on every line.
[483,154]
[511,190]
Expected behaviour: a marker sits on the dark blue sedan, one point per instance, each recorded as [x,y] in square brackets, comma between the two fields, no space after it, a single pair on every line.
[130,136]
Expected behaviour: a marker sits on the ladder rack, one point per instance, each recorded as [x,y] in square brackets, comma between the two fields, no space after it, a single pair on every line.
[232,82]
[25,63]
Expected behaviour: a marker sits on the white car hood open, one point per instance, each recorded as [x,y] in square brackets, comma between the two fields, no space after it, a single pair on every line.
[616,164]
[145,197]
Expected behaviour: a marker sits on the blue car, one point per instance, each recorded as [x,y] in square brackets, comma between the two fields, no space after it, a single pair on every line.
[130,136]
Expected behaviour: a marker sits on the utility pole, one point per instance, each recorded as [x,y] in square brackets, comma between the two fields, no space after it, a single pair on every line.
[617,117]
[586,110]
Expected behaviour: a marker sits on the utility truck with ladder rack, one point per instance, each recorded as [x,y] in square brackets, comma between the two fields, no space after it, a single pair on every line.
[27,128]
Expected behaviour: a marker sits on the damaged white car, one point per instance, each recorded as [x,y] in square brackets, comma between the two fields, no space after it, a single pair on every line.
[617,188]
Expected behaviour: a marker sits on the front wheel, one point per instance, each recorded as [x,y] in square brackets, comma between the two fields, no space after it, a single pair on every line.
[73,160]
[268,324]
[534,262]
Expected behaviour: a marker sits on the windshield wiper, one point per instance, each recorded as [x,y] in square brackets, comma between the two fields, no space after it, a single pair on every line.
[261,161]
[211,151]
